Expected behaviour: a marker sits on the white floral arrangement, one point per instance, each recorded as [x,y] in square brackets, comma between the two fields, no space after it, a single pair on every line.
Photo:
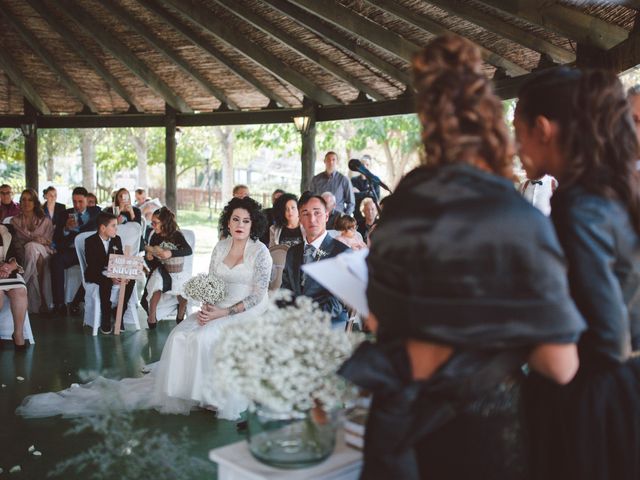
[168,246]
[285,359]
[205,288]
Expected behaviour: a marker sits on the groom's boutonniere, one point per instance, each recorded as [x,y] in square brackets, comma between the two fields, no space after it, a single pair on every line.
[320,254]
[114,248]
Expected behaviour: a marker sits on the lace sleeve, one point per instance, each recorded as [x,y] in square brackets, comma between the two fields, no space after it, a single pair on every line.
[261,276]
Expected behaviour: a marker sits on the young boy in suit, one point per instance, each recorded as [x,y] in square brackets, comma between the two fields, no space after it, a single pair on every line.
[98,247]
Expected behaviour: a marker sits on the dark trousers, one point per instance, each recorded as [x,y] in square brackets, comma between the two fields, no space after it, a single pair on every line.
[105,286]
[60,261]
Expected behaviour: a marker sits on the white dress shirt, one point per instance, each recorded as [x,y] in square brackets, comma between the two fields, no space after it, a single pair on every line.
[538,192]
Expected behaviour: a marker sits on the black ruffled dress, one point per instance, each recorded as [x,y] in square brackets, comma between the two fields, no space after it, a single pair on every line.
[459,258]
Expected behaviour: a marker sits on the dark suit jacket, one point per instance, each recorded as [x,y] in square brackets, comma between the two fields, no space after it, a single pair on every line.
[97,258]
[292,277]
[66,241]
[59,213]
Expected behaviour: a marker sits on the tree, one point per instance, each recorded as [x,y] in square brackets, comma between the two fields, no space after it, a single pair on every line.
[88,154]
[226,138]
[56,143]
[138,138]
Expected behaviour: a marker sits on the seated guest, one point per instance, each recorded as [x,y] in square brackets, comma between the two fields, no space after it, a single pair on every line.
[122,208]
[92,200]
[286,229]
[346,225]
[80,218]
[32,239]
[166,277]
[141,197]
[369,217]
[97,248]
[147,212]
[268,213]
[54,211]
[334,214]
[8,208]
[12,286]
[241,191]
[317,245]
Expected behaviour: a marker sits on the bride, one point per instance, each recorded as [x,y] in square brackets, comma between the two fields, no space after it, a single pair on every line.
[182,379]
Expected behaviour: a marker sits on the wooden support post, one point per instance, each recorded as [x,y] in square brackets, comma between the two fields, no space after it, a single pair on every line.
[30,133]
[170,172]
[308,150]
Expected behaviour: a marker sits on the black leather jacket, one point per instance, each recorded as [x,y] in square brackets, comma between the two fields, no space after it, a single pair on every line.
[603,251]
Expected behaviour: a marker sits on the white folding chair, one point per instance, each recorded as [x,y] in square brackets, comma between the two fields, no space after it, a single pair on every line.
[92,291]
[168,305]
[279,257]
[6,323]
[7,220]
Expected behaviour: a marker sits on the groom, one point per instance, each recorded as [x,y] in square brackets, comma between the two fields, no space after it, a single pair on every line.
[317,245]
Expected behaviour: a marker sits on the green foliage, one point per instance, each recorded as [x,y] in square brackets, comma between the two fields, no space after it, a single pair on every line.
[126,451]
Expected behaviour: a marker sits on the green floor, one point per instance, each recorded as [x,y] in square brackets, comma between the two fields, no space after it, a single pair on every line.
[63,350]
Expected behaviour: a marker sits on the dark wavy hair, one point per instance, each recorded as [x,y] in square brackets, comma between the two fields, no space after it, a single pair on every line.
[279,208]
[37,206]
[258,219]
[460,114]
[596,135]
[167,220]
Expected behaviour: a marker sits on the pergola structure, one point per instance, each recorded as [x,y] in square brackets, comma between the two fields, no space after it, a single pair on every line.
[170,63]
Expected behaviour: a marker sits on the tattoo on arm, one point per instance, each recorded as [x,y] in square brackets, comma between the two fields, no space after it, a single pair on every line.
[233,309]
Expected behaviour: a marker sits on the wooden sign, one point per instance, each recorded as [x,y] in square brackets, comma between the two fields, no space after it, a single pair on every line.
[124,268]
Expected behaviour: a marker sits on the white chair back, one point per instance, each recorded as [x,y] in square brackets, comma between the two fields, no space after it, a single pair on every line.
[130,234]
[190,237]
[7,220]
[333,233]
[279,257]
[82,258]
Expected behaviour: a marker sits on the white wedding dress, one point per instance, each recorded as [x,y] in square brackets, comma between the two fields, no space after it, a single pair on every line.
[182,379]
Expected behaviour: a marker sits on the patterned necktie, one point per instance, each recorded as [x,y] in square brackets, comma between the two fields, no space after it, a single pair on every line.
[80,221]
[307,257]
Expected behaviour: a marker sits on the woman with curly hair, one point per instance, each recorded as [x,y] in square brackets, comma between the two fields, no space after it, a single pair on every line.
[467,283]
[164,256]
[577,126]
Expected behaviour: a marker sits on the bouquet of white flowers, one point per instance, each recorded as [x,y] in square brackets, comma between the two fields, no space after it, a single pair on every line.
[205,288]
[285,359]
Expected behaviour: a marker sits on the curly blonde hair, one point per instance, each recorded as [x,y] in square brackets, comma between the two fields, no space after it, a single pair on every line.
[461,116]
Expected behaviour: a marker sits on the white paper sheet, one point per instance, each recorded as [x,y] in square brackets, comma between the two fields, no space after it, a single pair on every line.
[345,276]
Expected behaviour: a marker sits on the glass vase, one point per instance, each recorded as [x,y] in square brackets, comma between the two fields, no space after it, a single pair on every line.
[291,440]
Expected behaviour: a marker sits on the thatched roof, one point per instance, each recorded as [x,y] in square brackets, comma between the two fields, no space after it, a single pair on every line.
[114,56]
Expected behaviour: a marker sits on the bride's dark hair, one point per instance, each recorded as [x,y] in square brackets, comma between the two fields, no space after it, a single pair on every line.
[596,135]
[461,116]
[258,219]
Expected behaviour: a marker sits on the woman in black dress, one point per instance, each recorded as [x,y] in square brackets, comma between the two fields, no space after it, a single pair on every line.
[286,229]
[123,209]
[467,283]
[577,126]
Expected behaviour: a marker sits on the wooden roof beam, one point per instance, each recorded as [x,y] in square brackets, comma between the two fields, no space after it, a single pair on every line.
[505,30]
[428,25]
[19,80]
[199,14]
[346,19]
[46,57]
[86,55]
[211,49]
[124,55]
[310,54]
[134,24]
[337,38]
[570,23]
